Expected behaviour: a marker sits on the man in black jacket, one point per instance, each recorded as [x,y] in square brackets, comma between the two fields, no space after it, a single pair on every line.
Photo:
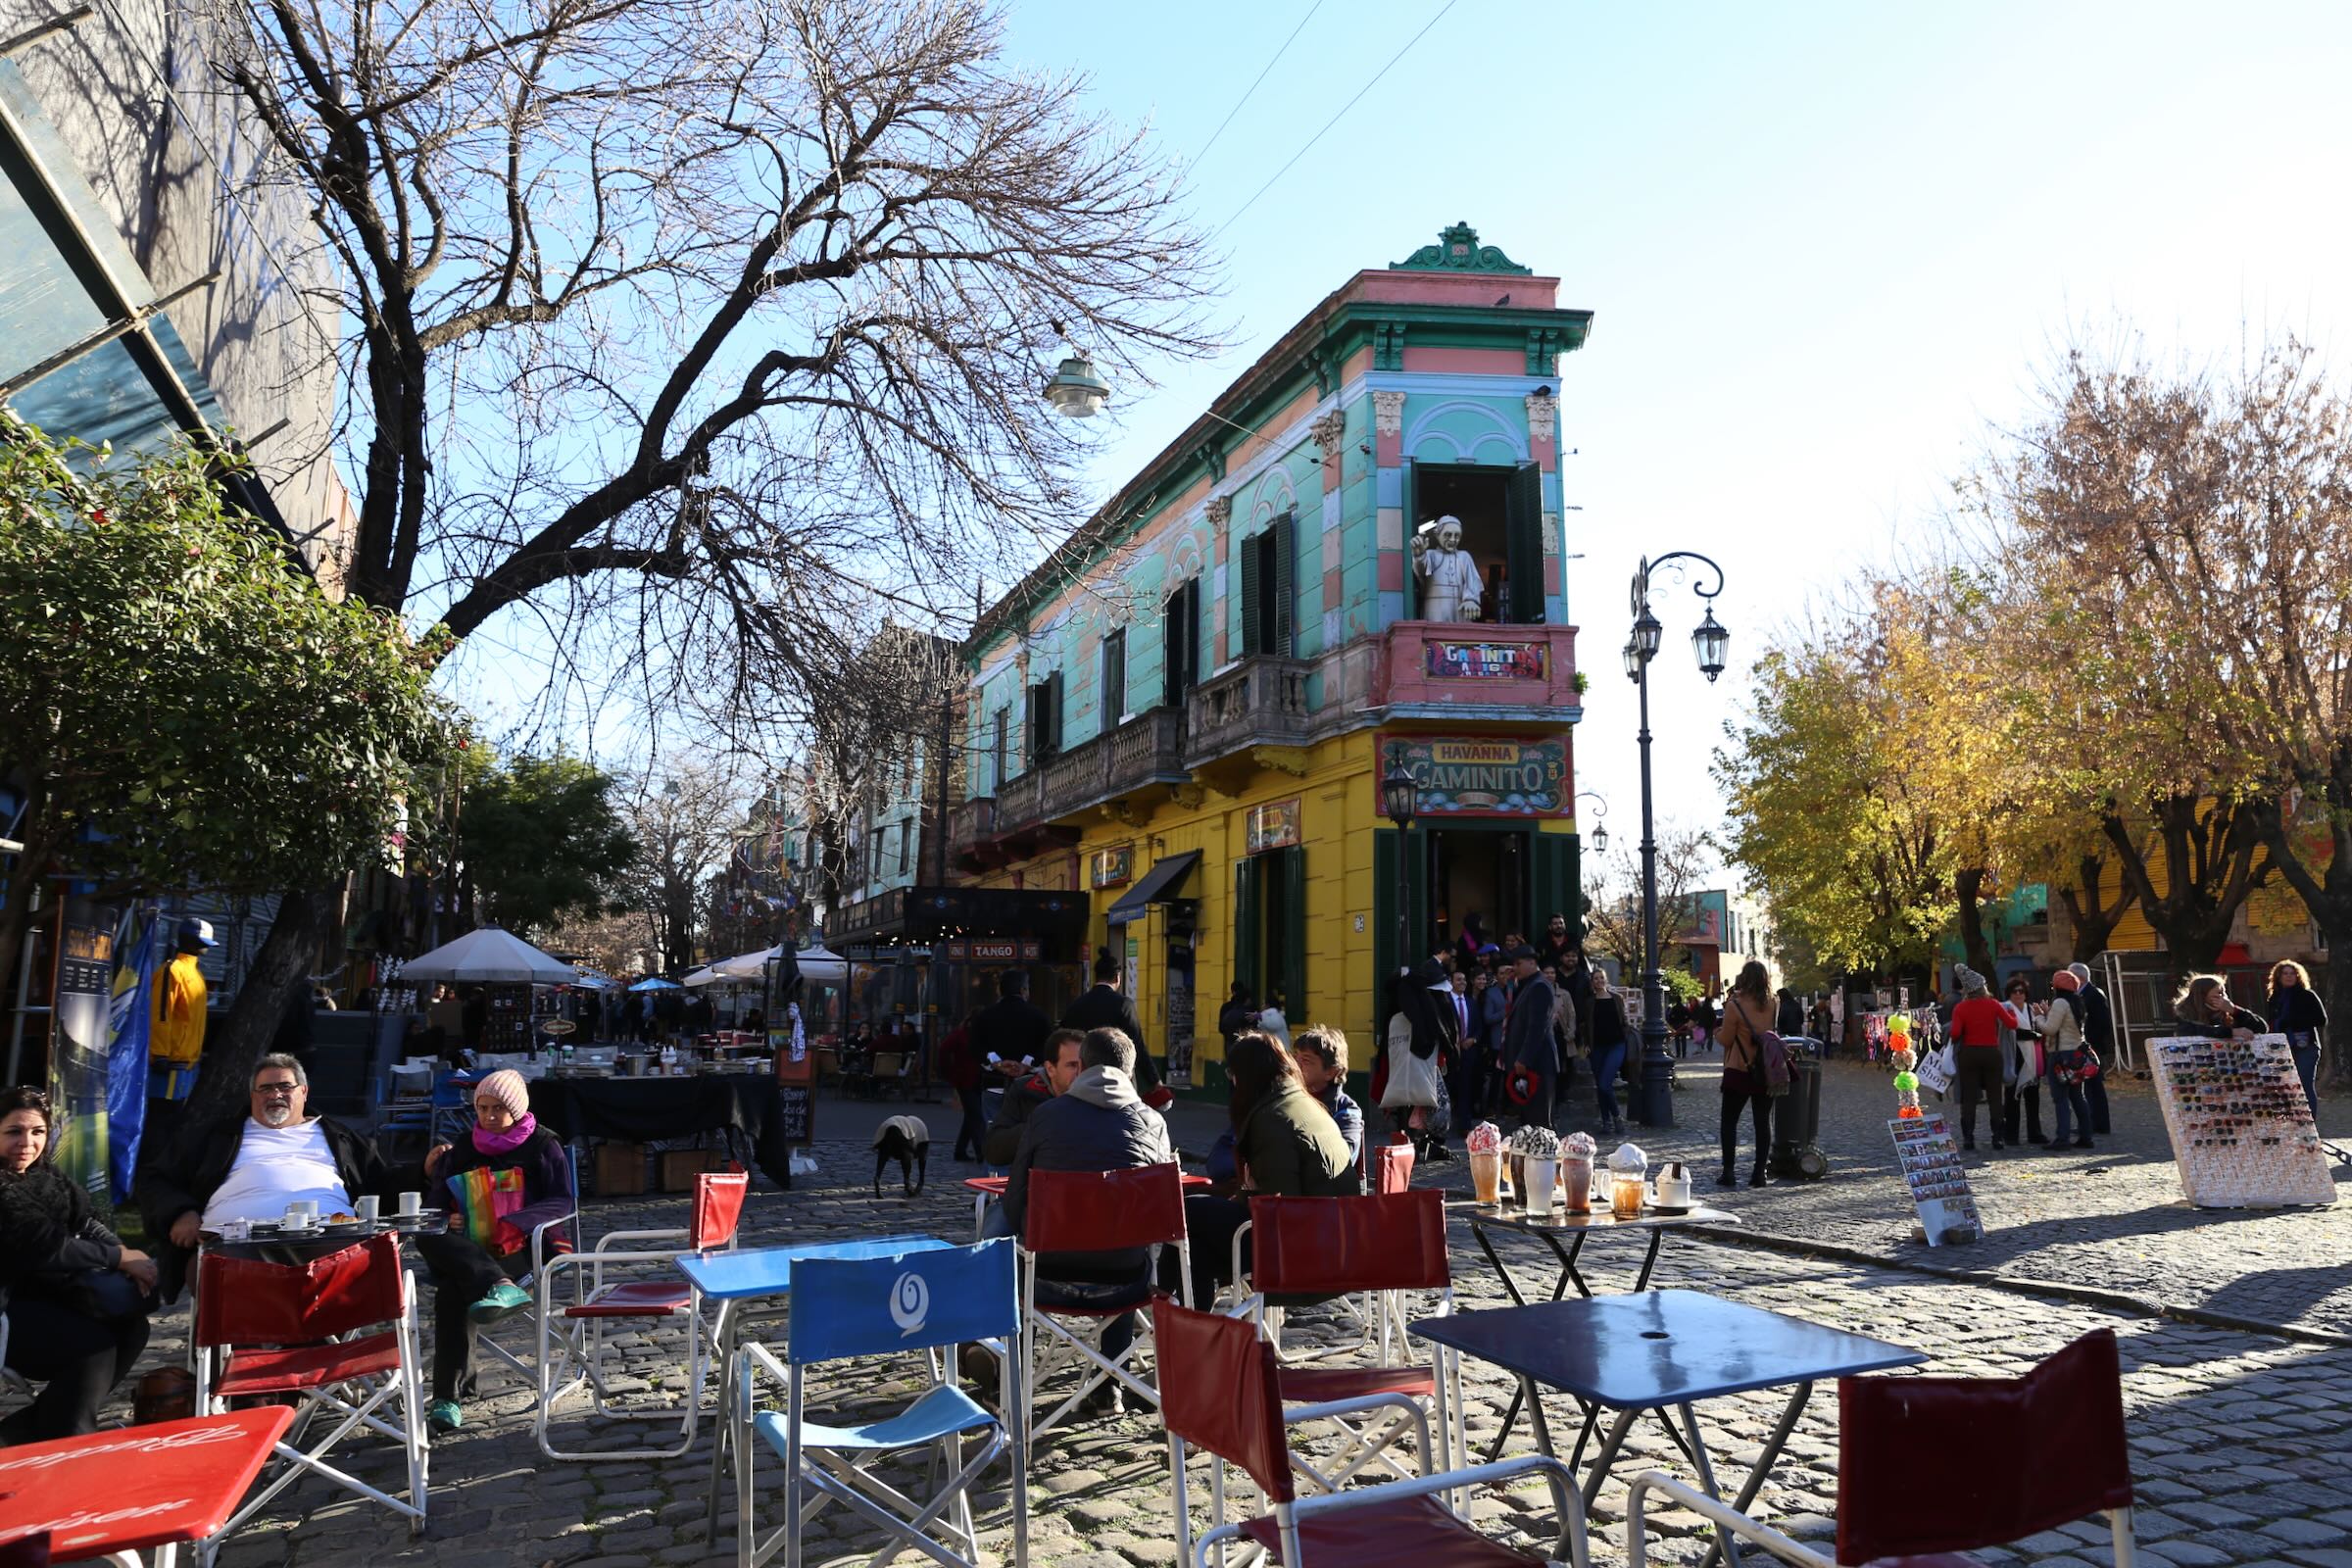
[1008,1031]
[1097,1121]
[252,1166]
[1527,1038]
[1057,1065]
[2098,1033]
[1106,1006]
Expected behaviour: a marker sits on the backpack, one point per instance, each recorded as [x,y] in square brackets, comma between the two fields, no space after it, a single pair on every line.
[1772,1057]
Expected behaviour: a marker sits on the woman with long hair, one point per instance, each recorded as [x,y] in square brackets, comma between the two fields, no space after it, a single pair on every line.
[2204,1007]
[1285,1145]
[2297,1012]
[2024,1091]
[1421,1031]
[78,1299]
[1748,1012]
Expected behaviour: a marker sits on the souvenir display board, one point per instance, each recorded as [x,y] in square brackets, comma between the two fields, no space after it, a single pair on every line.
[2241,1130]
[1938,1182]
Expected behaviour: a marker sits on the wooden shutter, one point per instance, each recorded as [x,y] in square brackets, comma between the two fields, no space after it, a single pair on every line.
[1254,586]
[1404,500]
[1245,910]
[1385,957]
[1114,680]
[1171,650]
[1523,543]
[1555,887]
[1285,546]
[1291,866]
[1054,699]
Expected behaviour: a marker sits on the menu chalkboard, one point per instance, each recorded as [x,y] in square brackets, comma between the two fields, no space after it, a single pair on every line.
[797,1105]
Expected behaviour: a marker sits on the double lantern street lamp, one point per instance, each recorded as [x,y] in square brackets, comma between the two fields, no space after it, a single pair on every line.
[1654,1107]
[1401,802]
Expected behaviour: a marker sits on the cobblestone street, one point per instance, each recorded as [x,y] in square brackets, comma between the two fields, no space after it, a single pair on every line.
[2240,1440]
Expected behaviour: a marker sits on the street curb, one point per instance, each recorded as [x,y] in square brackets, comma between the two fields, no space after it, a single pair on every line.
[2081,1295]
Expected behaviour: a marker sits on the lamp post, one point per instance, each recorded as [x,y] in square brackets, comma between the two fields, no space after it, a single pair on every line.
[1401,798]
[1600,828]
[1709,641]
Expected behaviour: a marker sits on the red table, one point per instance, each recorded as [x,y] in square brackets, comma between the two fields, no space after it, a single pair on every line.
[129,1489]
[986,1190]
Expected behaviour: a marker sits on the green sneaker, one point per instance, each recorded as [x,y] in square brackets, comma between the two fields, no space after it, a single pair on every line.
[504,1298]
[443,1415]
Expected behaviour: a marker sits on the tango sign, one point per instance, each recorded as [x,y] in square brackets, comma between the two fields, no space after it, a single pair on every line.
[1484,777]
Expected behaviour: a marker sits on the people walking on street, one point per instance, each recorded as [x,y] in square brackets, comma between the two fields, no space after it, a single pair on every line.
[2023,1073]
[1790,1021]
[1106,1006]
[1747,1015]
[1703,1023]
[1008,1032]
[1239,1015]
[2297,1012]
[1607,1052]
[2098,1038]
[2069,1059]
[959,1064]
[1978,1024]
[1530,1051]
[1420,1035]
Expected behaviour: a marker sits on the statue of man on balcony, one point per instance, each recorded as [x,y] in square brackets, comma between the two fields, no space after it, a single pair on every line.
[1450,584]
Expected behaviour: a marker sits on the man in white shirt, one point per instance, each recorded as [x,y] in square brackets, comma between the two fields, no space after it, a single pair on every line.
[254,1166]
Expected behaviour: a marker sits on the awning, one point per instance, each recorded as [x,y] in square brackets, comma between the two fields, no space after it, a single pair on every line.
[1157,887]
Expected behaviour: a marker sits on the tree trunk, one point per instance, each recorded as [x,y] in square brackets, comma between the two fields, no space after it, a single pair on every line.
[280,971]
[2093,923]
[2326,892]
[32,871]
[1968,886]
[2211,851]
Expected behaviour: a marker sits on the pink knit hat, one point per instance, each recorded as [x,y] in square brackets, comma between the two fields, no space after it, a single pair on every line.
[507,1088]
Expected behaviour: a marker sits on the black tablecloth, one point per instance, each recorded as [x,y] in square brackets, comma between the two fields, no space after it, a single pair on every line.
[645,1109]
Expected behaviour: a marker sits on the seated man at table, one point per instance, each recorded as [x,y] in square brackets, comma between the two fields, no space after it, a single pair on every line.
[1057,1065]
[1321,1052]
[1096,1121]
[253,1165]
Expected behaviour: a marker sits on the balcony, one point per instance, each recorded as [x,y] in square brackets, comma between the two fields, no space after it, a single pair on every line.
[1144,750]
[1258,702]
[1433,668]
[970,826]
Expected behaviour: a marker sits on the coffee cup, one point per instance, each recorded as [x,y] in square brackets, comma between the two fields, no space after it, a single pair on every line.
[410,1204]
[300,1215]
[367,1209]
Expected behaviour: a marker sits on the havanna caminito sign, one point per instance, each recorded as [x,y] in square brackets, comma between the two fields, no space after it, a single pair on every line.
[1482,776]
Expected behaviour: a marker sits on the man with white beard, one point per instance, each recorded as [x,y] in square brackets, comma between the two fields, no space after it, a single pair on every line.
[251,1167]
[1450,584]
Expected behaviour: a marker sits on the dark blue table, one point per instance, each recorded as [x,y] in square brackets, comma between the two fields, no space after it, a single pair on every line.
[1660,1351]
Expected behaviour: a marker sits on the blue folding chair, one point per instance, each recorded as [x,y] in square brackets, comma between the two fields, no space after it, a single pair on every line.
[847,1307]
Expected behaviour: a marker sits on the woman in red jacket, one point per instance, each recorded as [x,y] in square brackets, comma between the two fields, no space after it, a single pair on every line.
[1978,1025]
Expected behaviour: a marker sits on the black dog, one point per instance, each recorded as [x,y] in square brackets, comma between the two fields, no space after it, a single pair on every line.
[907,1141]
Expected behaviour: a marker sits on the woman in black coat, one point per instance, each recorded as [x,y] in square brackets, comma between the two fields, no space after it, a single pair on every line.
[78,1299]
[2297,1012]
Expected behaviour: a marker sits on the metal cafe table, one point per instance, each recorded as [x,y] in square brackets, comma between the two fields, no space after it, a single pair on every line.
[1662,1352]
[754,1284]
[118,1492]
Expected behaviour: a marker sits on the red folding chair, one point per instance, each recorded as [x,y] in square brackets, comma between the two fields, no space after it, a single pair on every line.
[1386,1248]
[1229,1402]
[1096,1211]
[572,1347]
[2059,1430]
[340,1332]
[1392,1167]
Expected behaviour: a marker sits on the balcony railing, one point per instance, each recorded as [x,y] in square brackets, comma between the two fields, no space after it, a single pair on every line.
[1447,665]
[1260,702]
[1145,749]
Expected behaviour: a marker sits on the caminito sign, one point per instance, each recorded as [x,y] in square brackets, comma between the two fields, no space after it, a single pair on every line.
[1483,776]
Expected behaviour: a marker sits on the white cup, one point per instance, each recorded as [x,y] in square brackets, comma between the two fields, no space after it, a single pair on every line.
[1543,1175]
[410,1204]
[301,1214]
[367,1209]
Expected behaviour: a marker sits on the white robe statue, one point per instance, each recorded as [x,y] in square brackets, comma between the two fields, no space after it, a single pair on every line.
[1450,584]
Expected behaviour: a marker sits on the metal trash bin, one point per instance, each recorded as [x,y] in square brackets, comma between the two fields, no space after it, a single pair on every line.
[1796,1117]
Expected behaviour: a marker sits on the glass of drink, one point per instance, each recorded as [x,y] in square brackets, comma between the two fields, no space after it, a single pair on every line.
[1486,1177]
[1626,1195]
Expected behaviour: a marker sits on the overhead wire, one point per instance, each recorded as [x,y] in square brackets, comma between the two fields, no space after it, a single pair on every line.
[1261,77]
[1337,118]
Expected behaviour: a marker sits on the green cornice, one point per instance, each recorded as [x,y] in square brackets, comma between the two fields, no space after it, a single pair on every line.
[1309,355]
[1457,250]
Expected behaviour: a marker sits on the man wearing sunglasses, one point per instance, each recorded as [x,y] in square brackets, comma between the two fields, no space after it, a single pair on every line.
[255,1165]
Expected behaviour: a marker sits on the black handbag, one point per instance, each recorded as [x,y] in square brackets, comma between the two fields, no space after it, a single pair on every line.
[106,1295]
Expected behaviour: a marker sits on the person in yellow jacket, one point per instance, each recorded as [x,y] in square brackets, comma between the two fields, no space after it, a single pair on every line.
[175,1040]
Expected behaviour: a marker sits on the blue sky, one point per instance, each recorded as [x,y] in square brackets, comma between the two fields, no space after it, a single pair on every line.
[1826,246]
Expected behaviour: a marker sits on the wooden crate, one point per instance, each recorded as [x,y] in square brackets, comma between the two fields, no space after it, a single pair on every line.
[619,1170]
[680,1166]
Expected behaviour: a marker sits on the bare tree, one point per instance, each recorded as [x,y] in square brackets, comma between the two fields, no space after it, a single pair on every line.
[1613,922]
[698,332]
[893,706]
[684,821]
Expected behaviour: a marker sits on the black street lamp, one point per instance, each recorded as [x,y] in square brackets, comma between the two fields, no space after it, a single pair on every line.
[1600,827]
[1712,643]
[1401,798]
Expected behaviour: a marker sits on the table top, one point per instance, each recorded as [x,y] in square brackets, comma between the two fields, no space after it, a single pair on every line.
[768,1270]
[432,1222]
[1659,1347]
[995,1186]
[1560,1222]
[134,1488]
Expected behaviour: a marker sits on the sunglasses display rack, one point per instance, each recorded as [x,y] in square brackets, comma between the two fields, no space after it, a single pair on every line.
[2242,1134]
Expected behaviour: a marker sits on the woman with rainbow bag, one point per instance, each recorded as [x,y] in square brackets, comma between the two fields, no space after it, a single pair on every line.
[507,1176]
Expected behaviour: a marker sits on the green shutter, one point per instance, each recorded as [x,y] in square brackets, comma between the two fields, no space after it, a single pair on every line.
[1553,887]
[1251,588]
[1286,584]
[1054,714]
[1523,543]
[1245,910]
[1384,931]
[1404,500]
[1292,870]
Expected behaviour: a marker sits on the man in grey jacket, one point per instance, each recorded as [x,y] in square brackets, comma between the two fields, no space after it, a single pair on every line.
[1097,1123]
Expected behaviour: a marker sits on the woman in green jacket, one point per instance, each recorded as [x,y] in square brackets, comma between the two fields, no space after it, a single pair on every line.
[1286,1145]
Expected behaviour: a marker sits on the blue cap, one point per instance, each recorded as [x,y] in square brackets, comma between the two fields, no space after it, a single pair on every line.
[195,933]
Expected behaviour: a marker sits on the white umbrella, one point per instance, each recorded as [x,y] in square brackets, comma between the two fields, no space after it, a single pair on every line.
[486,957]
[706,975]
[742,966]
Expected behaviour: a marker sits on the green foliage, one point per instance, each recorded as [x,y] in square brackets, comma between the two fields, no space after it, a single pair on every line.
[1680,985]
[170,680]
[542,839]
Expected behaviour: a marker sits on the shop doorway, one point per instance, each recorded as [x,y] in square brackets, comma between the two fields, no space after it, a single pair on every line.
[1269,928]
[1482,874]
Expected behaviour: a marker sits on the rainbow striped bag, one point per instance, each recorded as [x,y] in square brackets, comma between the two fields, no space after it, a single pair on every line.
[485,1197]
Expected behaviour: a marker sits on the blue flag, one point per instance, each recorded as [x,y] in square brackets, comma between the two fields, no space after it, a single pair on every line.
[131,1015]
